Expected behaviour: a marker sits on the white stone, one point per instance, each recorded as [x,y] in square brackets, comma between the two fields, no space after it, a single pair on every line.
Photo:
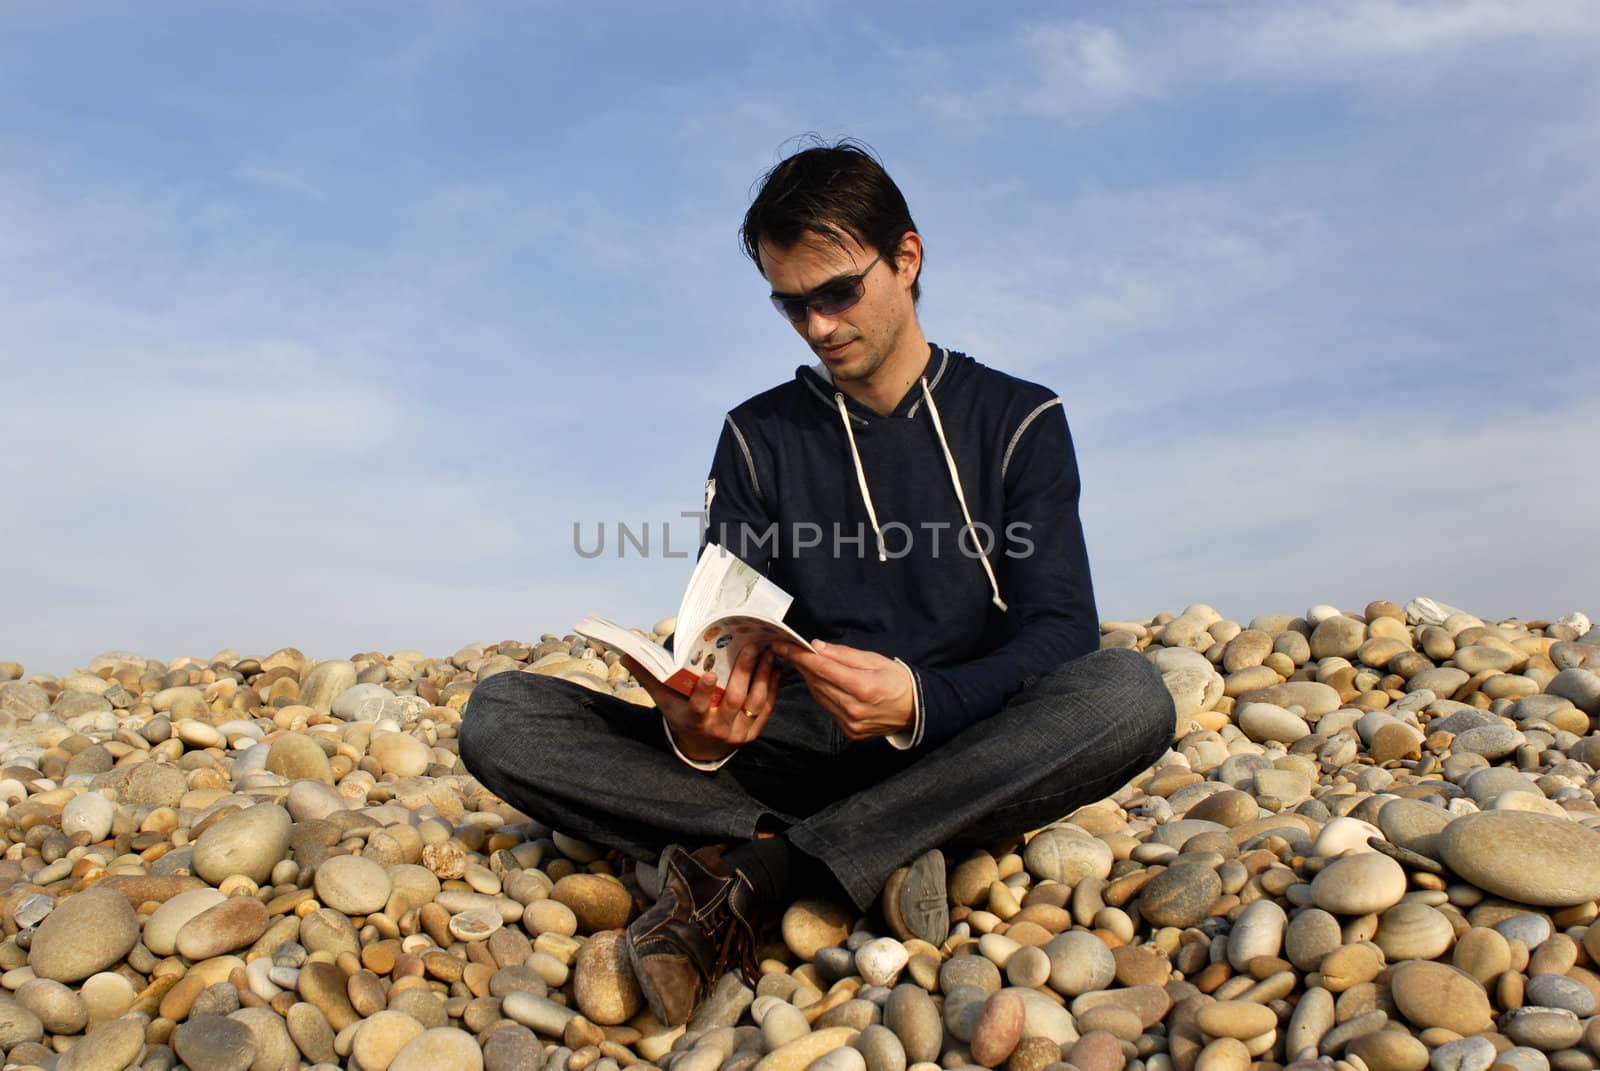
[1344,836]
[89,813]
[879,962]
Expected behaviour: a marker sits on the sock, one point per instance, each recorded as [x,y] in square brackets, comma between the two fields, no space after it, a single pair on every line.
[767,862]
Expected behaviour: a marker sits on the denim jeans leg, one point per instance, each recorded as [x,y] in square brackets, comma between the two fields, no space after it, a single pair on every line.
[599,768]
[1073,737]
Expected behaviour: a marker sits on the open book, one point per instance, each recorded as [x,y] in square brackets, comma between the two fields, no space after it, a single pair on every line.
[727,606]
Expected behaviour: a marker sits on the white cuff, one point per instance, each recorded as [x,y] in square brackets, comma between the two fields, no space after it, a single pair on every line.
[714,764]
[906,739]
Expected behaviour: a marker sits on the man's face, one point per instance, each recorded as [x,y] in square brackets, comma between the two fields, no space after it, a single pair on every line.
[854,343]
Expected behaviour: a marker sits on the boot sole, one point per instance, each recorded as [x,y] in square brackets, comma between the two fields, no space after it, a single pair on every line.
[924,901]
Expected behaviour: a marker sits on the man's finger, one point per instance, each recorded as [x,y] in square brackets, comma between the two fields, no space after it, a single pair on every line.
[825,668]
[700,697]
[850,656]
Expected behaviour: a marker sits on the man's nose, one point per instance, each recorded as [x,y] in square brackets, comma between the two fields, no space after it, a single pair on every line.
[818,326]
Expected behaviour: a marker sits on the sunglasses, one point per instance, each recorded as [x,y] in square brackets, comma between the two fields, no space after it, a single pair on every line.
[829,299]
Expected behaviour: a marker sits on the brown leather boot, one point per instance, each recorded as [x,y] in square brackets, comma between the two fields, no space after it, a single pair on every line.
[704,922]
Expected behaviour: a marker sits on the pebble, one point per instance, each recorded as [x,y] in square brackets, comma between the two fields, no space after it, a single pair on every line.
[880,961]
[1258,932]
[1436,995]
[298,841]
[380,1038]
[1181,895]
[1558,991]
[604,985]
[1556,862]
[233,924]
[1389,1050]
[1096,1051]
[1268,723]
[353,884]
[1359,884]
[18,1024]
[911,1013]
[1542,1028]
[439,1047]
[298,757]
[811,925]
[161,930]
[1413,930]
[248,842]
[109,1047]
[1067,855]
[511,1047]
[998,1028]
[214,1043]
[1463,1054]
[61,1010]
[86,933]
[90,814]
[1079,963]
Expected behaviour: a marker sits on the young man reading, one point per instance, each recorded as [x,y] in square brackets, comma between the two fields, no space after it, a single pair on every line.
[922,509]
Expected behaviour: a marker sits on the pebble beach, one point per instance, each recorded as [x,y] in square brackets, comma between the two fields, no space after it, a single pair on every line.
[1374,845]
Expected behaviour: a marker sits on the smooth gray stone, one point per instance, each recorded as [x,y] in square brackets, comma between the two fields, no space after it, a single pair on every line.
[1491,741]
[1463,720]
[976,971]
[1581,686]
[962,1006]
[1466,1054]
[1532,930]
[882,1049]
[1559,991]
[1413,824]
[1173,834]
[1537,707]
[512,1048]
[214,1043]
[1487,784]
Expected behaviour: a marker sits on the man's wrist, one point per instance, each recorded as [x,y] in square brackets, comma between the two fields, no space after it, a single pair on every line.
[911,735]
[714,763]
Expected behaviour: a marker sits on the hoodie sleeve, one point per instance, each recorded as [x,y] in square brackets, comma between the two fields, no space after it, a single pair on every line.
[737,517]
[1043,569]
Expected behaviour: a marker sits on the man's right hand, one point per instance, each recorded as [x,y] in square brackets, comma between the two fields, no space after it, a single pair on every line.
[706,731]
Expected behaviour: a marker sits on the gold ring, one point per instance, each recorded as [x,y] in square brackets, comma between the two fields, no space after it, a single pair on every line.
[752,715]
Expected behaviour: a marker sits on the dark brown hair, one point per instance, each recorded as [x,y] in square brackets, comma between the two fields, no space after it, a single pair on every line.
[831,191]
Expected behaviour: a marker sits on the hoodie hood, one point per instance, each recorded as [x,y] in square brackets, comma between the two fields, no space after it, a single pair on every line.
[919,397]
[818,382]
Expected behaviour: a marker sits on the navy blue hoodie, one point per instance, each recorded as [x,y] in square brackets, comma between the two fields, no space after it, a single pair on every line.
[786,495]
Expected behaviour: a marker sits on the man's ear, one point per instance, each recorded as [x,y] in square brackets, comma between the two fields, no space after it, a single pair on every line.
[908,257]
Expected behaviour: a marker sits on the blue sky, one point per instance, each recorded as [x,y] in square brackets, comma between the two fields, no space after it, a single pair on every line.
[322,324]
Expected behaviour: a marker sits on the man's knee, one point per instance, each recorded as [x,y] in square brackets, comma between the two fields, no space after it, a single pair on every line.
[1123,684]
[493,701]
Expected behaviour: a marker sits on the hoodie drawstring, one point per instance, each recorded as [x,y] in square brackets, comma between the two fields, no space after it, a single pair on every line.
[955,481]
[861,475]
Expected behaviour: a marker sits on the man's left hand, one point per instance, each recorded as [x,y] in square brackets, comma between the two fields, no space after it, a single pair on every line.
[867,694]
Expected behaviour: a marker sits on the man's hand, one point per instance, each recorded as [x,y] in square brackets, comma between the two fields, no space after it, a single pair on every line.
[706,731]
[867,694]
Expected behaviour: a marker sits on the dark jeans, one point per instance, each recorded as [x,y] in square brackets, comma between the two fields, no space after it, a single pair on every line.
[599,768]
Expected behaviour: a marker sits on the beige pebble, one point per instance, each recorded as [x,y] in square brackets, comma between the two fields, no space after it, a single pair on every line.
[380,1038]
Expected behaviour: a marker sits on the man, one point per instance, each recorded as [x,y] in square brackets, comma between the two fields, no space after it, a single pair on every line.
[923,511]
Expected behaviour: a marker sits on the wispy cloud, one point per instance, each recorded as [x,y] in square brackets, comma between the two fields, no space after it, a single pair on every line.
[336,352]
[1295,39]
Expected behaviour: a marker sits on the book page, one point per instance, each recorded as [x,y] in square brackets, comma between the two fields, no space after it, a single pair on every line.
[653,657]
[723,586]
[716,646]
